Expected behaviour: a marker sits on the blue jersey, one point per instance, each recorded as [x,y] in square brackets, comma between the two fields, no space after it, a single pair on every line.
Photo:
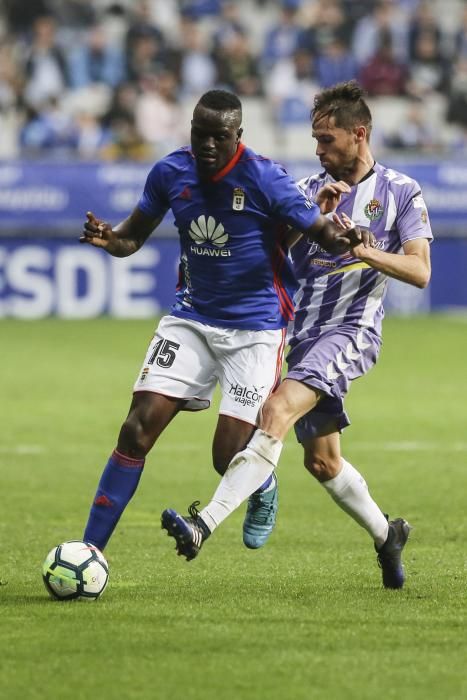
[234,269]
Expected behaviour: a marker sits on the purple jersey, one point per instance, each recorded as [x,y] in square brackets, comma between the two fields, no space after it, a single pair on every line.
[341,290]
[234,270]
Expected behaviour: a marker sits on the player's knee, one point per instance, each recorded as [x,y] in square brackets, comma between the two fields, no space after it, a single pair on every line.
[133,440]
[322,468]
[274,413]
[274,406]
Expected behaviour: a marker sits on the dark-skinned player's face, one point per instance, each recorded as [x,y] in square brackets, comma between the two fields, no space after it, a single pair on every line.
[214,138]
[336,148]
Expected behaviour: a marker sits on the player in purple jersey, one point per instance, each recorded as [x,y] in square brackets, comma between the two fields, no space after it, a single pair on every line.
[336,335]
[232,208]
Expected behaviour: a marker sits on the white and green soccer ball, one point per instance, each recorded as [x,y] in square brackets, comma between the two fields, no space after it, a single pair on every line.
[75,569]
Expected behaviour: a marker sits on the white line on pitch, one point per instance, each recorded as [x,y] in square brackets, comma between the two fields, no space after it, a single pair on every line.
[410,446]
[22,450]
[191,446]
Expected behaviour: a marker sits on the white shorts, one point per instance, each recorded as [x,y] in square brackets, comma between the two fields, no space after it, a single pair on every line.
[186,359]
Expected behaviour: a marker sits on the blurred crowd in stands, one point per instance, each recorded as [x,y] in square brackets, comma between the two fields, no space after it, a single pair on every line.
[111,80]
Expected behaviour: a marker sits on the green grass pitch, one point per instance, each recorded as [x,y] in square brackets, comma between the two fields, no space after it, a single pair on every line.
[304,618]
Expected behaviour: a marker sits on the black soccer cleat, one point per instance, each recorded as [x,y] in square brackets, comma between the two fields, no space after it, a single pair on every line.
[389,555]
[189,532]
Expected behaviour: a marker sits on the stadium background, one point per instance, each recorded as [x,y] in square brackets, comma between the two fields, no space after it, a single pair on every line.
[93,91]
[306,617]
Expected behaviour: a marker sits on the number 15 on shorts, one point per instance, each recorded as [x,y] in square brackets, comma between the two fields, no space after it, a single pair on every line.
[163,353]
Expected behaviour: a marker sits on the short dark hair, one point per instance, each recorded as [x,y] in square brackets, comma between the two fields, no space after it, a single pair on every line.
[221,101]
[346,103]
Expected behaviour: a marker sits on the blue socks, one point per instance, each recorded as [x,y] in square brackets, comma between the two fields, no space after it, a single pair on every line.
[116,487]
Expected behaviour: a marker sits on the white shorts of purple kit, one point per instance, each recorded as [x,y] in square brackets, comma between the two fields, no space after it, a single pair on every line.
[329,362]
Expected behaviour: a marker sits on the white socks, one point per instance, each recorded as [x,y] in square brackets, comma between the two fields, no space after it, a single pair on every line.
[244,475]
[251,467]
[350,492]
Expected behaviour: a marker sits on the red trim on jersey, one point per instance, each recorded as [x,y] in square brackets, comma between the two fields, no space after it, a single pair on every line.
[257,157]
[285,302]
[231,164]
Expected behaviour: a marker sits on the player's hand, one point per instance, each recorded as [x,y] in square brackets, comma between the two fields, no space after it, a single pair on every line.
[329,196]
[358,238]
[96,232]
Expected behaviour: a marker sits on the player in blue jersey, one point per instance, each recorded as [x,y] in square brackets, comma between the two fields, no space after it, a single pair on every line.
[336,335]
[232,209]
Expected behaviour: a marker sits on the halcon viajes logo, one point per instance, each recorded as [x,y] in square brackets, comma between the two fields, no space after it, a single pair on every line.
[247,396]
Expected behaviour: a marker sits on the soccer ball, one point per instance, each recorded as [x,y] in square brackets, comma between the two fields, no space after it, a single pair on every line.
[75,569]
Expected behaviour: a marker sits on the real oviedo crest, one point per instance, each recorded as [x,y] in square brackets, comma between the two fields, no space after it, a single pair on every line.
[238,203]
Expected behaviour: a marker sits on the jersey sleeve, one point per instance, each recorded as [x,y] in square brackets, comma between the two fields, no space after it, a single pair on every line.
[288,200]
[310,185]
[412,218]
[154,201]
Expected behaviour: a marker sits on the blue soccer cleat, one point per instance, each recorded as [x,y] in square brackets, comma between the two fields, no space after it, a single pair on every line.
[389,555]
[260,517]
[189,532]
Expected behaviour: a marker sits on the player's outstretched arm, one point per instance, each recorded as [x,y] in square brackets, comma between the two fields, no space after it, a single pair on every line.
[122,240]
[414,267]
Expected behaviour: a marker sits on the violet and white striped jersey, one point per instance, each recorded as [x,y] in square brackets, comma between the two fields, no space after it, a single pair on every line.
[335,290]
